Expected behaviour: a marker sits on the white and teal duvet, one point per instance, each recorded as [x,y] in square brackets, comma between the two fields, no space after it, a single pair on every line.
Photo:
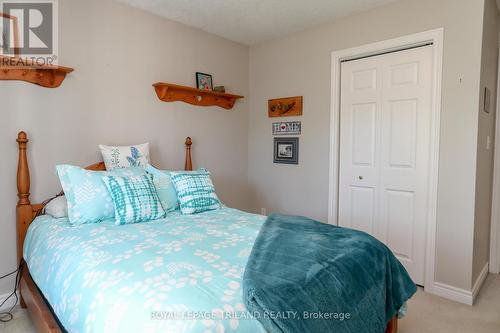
[179,274]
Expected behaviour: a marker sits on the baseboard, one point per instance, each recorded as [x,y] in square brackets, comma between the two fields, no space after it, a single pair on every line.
[453,293]
[479,281]
[9,304]
[461,295]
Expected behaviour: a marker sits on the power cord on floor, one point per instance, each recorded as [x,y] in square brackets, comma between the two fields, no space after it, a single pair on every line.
[7,315]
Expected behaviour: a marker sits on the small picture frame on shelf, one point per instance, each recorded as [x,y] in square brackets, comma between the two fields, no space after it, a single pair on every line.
[286,150]
[204,81]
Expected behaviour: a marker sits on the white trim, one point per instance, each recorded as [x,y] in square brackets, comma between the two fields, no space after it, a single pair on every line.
[461,295]
[479,281]
[9,304]
[495,205]
[436,38]
[452,293]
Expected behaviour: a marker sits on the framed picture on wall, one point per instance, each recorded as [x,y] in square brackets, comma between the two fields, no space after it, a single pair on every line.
[286,150]
[204,81]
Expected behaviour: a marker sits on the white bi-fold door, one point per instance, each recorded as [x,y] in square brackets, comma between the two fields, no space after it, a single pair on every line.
[385,123]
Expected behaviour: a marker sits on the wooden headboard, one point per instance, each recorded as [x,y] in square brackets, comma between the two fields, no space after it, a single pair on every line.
[26,211]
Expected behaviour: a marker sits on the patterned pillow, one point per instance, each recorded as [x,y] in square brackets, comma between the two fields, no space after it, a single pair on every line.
[135,199]
[164,187]
[87,196]
[125,156]
[195,191]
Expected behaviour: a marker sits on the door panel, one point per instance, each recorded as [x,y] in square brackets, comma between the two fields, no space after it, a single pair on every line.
[361,210]
[364,80]
[402,133]
[384,151]
[363,134]
[400,215]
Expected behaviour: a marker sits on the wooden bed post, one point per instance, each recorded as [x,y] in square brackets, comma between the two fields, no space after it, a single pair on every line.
[188,165]
[24,210]
[392,326]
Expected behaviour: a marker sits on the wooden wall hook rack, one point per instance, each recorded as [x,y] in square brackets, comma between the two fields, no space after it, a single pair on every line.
[48,76]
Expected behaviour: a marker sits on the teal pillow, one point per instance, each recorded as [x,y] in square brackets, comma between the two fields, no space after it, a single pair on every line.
[87,195]
[195,191]
[164,187]
[135,198]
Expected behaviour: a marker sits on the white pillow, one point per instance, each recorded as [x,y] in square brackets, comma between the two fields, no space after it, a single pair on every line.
[57,207]
[125,156]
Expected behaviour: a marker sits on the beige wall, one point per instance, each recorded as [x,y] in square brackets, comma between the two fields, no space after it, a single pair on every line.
[118,52]
[301,65]
[486,126]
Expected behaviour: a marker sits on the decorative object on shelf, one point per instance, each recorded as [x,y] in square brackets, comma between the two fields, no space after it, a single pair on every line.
[487,99]
[220,89]
[284,107]
[168,92]
[286,150]
[287,128]
[204,81]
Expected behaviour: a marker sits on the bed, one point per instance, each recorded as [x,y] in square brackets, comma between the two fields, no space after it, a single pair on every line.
[168,275]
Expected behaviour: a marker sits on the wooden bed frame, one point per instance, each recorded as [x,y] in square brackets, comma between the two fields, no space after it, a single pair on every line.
[40,311]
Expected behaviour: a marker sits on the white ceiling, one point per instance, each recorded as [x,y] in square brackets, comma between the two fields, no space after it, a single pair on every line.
[254,21]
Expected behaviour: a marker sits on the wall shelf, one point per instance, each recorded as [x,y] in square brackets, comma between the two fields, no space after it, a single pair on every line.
[168,92]
[25,70]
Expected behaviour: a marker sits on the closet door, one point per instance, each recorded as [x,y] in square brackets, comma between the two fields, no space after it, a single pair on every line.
[384,151]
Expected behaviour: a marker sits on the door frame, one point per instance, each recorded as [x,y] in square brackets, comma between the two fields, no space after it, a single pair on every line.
[397,44]
[495,205]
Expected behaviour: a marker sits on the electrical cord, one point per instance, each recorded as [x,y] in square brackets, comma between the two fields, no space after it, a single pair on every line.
[7,315]
[9,274]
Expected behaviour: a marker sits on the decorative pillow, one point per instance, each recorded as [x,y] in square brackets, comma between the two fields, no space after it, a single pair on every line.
[57,207]
[135,199]
[87,196]
[195,191]
[164,187]
[116,157]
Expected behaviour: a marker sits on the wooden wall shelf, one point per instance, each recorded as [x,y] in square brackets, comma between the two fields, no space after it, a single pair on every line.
[45,76]
[168,92]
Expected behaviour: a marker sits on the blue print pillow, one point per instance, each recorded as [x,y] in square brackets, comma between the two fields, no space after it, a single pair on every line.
[125,156]
[164,187]
[195,191]
[135,199]
[87,195]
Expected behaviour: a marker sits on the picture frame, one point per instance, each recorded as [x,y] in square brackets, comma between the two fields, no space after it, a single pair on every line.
[204,81]
[286,150]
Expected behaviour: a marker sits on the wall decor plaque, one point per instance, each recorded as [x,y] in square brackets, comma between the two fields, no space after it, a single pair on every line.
[285,107]
[287,128]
